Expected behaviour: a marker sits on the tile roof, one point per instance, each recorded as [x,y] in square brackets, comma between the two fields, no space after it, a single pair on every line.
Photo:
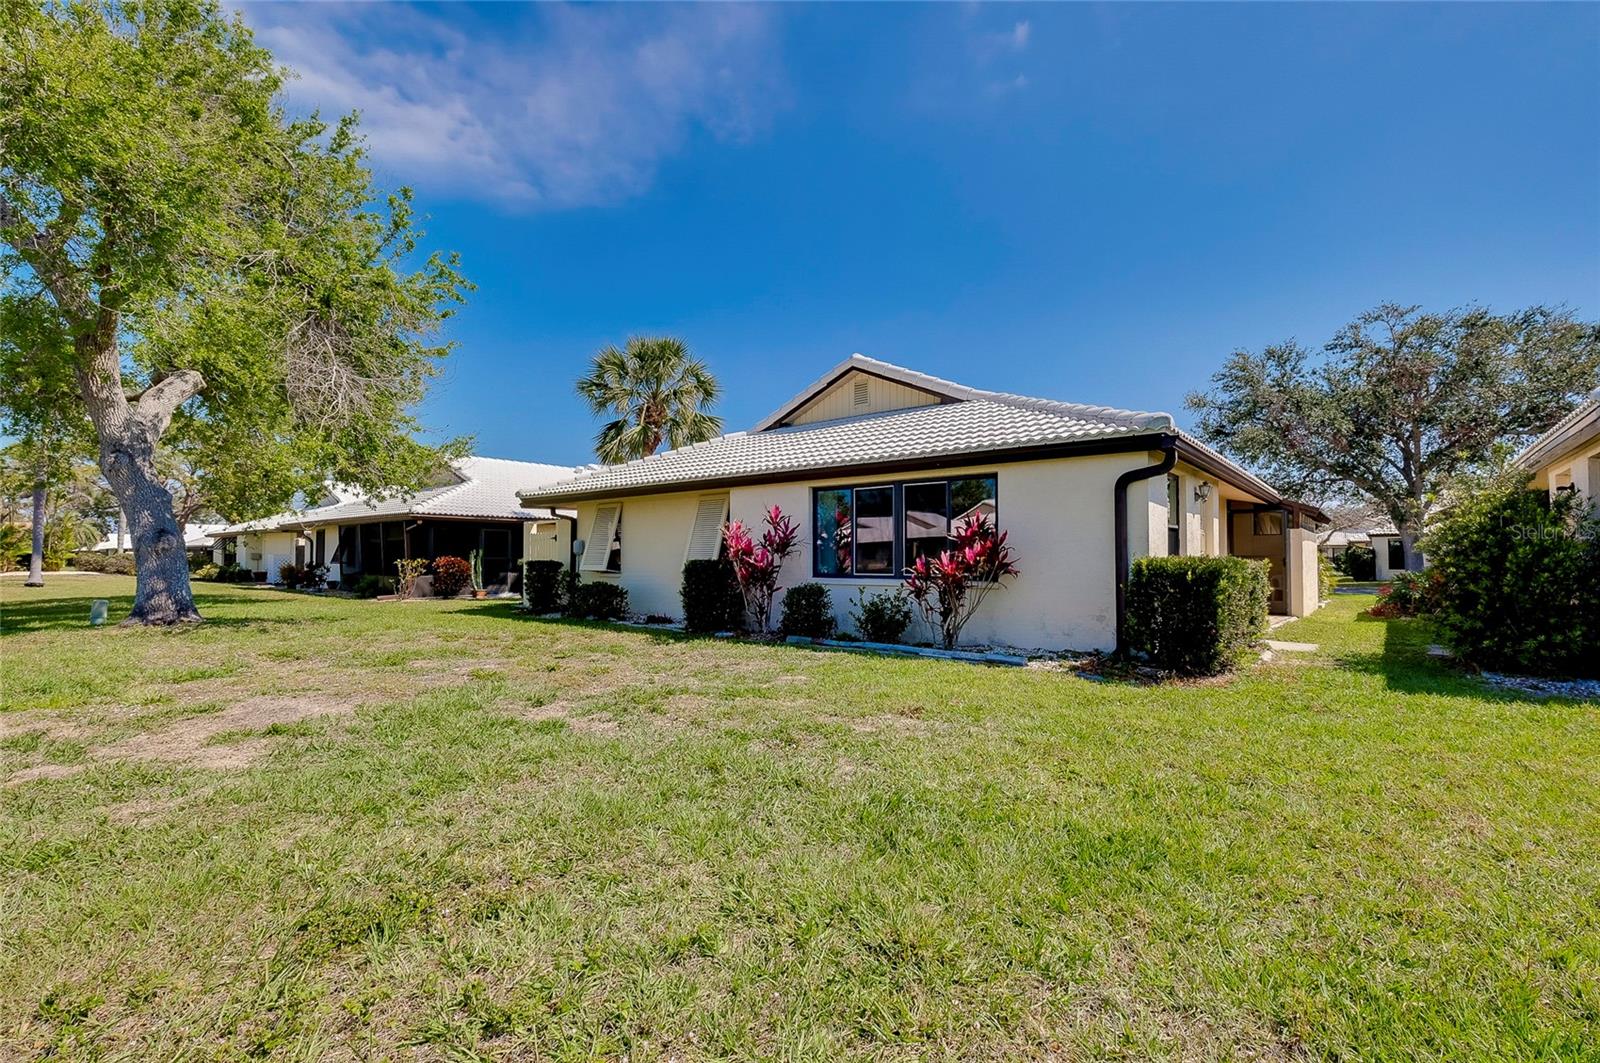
[1569,431]
[976,423]
[486,489]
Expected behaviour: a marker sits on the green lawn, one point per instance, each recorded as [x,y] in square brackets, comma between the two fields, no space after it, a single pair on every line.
[318,827]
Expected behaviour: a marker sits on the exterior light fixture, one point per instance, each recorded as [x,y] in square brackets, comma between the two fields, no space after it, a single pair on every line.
[1202,491]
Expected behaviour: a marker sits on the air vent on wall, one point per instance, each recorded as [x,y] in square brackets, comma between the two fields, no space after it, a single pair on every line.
[861,393]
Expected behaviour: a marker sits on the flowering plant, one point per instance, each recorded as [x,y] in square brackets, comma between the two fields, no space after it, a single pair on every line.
[756,563]
[948,589]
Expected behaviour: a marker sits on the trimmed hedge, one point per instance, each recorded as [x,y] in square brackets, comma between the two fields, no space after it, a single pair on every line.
[807,612]
[1196,615]
[542,585]
[597,601]
[711,598]
[1519,581]
[116,564]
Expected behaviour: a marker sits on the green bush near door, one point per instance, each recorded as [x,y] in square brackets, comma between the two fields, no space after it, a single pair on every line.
[1196,615]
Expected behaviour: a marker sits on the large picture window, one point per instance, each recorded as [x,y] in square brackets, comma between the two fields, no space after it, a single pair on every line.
[879,530]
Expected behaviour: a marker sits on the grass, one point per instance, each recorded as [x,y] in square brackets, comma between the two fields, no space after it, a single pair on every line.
[317,827]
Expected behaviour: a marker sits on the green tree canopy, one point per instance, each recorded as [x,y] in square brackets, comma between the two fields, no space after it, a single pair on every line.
[656,392]
[207,266]
[1399,402]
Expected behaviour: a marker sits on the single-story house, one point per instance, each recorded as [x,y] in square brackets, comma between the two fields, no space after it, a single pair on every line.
[875,462]
[1567,457]
[1389,552]
[197,539]
[473,505]
[1335,543]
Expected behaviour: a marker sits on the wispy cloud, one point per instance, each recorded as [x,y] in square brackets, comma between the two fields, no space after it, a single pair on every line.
[559,107]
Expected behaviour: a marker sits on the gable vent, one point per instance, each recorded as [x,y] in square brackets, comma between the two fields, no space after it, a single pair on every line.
[861,396]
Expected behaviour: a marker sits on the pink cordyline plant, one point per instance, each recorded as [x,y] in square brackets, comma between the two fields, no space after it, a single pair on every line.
[948,589]
[756,564]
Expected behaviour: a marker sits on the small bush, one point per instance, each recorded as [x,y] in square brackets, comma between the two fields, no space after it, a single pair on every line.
[207,571]
[450,576]
[1359,563]
[807,612]
[598,601]
[1327,576]
[372,585]
[542,585]
[711,597]
[1410,594]
[1196,615]
[882,617]
[1519,580]
[234,573]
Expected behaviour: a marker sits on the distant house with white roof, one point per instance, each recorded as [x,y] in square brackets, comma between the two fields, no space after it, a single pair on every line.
[472,506]
[197,539]
[876,462]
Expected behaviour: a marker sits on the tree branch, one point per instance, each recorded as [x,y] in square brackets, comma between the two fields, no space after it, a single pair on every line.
[42,251]
[156,405]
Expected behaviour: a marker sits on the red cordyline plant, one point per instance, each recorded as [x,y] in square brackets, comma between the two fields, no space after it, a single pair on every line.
[756,564]
[948,589]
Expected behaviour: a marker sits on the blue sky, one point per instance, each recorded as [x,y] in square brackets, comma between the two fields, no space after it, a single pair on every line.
[1081,202]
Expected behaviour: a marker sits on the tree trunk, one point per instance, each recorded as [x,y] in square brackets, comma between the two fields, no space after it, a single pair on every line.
[1409,534]
[36,560]
[128,429]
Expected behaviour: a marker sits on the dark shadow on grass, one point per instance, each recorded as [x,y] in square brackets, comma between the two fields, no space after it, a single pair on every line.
[72,611]
[513,611]
[1406,667]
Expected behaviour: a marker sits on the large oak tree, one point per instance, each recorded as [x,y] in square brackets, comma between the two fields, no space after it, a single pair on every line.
[207,261]
[1399,402]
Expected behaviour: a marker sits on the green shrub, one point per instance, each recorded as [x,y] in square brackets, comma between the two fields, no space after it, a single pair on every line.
[116,564]
[1410,594]
[1327,576]
[1359,563]
[711,598]
[372,585]
[235,573]
[207,571]
[450,575]
[1196,615]
[807,612]
[542,585]
[1519,580]
[882,617]
[598,601]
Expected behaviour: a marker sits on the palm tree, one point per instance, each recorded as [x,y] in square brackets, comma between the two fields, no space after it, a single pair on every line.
[656,391]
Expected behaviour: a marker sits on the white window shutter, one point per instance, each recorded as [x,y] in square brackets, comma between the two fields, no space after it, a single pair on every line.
[598,547]
[705,538]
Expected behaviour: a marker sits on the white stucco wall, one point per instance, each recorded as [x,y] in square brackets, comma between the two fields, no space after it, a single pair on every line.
[1380,549]
[1057,512]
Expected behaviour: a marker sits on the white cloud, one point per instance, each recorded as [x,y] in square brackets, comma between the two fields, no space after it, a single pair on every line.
[1019,35]
[568,107]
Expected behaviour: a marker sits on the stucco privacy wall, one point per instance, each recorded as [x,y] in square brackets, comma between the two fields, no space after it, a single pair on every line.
[1057,512]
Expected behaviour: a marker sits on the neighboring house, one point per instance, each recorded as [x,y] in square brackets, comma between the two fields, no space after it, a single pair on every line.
[197,539]
[1388,551]
[473,506]
[1335,543]
[874,462]
[1567,458]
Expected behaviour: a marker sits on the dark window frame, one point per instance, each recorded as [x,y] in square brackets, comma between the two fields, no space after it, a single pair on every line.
[897,571]
[1174,515]
[1397,548]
